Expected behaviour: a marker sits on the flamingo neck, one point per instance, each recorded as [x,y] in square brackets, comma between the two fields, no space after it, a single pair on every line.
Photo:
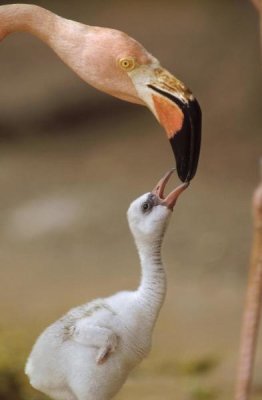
[27,18]
[152,289]
[64,36]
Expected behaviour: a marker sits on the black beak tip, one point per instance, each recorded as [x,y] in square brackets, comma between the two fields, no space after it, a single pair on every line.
[186,142]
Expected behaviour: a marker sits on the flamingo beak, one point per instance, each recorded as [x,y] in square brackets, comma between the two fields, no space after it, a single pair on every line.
[170,200]
[177,111]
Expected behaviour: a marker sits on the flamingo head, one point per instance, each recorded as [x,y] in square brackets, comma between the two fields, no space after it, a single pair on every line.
[126,70]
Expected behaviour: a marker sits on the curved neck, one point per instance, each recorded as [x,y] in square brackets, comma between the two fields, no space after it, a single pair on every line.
[27,18]
[152,289]
[64,36]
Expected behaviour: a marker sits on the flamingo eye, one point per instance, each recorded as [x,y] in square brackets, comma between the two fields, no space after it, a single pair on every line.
[127,63]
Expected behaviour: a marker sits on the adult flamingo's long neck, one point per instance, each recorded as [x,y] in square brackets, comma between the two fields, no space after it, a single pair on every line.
[28,18]
[153,285]
[64,36]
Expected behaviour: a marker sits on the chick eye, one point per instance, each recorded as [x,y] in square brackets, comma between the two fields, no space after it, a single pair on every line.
[127,63]
[146,206]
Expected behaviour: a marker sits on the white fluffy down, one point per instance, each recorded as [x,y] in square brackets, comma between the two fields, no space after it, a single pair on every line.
[88,353]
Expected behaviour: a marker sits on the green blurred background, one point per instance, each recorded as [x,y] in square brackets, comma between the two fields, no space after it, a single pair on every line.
[71,161]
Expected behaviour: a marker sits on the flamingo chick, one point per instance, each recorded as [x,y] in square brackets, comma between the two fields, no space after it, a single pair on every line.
[88,353]
[114,63]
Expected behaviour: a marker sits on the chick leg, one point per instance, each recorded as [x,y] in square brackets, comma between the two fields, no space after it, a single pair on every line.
[95,336]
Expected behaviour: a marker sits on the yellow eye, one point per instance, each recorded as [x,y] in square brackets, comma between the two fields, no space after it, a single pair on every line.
[127,63]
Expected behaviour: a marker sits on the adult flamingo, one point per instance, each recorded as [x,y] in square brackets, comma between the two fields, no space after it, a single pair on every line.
[115,63]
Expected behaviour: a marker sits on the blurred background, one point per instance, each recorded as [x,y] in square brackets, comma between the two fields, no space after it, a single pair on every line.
[71,161]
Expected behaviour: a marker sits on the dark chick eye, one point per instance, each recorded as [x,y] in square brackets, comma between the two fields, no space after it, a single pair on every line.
[146,206]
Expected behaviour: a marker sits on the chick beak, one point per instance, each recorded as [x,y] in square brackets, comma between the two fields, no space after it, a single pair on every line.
[170,200]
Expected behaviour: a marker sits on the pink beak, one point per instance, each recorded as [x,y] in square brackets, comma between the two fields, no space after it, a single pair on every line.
[172,197]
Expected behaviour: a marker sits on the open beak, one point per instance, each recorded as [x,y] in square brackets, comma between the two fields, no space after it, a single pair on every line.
[177,111]
[170,200]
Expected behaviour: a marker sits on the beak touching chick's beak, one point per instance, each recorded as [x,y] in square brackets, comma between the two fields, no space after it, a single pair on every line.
[170,200]
[179,113]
